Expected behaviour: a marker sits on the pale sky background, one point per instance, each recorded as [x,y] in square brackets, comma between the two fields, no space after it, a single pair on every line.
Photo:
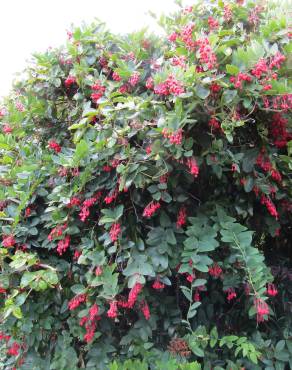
[28,26]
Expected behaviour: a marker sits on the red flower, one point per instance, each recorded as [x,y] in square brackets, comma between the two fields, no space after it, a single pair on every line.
[207,56]
[14,349]
[111,196]
[270,206]
[176,137]
[134,79]
[276,176]
[227,13]
[99,90]
[27,212]
[182,217]
[148,149]
[74,201]
[172,37]
[272,290]
[124,89]
[6,129]
[63,245]
[8,241]
[93,312]
[214,124]
[98,271]
[113,310]
[76,301]
[145,310]
[213,23]
[158,285]
[70,80]
[55,146]
[116,76]
[231,294]
[262,309]
[84,213]
[77,254]
[193,166]
[150,209]
[277,60]
[215,270]
[260,68]
[115,232]
[215,88]
[133,295]
[149,83]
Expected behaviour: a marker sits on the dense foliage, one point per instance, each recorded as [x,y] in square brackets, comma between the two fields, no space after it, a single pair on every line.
[146,200]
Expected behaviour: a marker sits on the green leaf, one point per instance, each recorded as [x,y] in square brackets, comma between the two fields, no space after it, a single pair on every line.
[232,69]
[202,92]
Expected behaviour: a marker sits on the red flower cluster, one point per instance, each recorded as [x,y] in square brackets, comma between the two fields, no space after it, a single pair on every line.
[277,60]
[84,213]
[113,310]
[275,175]
[262,309]
[270,206]
[158,285]
[214,124]
[99,90]
[63,245]
[260,68]
[150,209]
[170,86]
[19,106]
[6,129]
[76,301]
[133,295]
[98,271]
[227,13]
[115,232]
[70,80]
[149,83]
[111,196]
[55,146]
[13,350]
[278,131]
[213,23]
[116,76]
[237,80]
[181,217]
[231,294]
[134,79]
[173,36]
[215,270]
[56,232]
[90,323]
[179,61]
[145,309]
[8,241]
[215,88]
[74,201]
[193,166]
[207,56]
[272,290]
[187,36]
[175,137]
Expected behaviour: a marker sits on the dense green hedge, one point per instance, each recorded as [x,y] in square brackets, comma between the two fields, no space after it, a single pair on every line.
[145,201]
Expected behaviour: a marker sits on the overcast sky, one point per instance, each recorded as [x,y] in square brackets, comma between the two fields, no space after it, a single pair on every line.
[27,26]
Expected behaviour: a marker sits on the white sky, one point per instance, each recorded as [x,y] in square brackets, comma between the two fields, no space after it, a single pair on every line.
[27,26]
